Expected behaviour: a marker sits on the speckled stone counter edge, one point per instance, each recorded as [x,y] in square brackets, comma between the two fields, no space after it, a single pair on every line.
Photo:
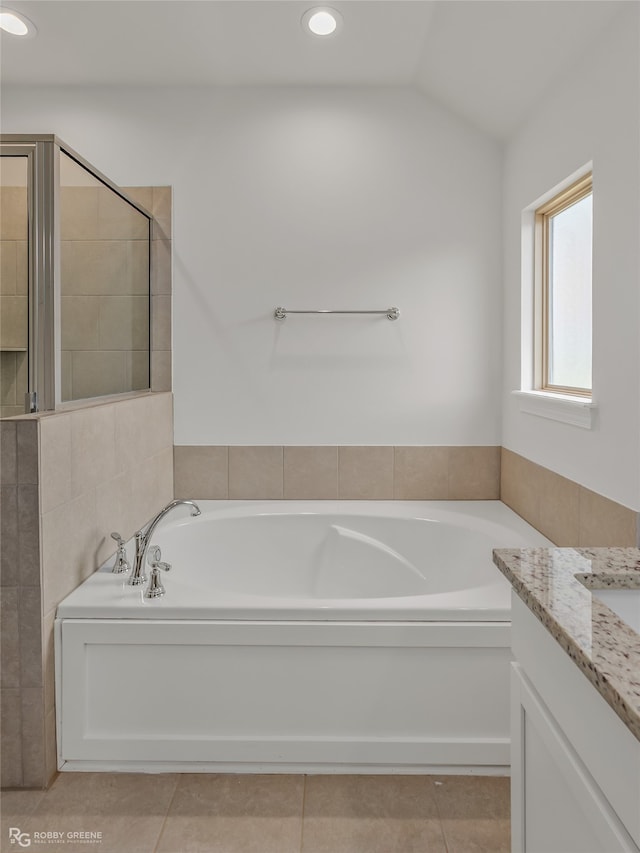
[553,583]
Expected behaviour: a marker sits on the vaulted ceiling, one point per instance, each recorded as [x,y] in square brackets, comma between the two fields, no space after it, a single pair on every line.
[487,60]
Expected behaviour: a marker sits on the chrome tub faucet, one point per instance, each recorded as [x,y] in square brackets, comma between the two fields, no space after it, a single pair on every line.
[143,538]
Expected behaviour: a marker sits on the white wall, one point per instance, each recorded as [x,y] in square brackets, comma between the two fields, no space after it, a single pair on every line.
[592,114]
[312,198]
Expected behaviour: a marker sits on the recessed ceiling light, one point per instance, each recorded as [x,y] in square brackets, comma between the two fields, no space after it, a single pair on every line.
[16,24]
[321,20]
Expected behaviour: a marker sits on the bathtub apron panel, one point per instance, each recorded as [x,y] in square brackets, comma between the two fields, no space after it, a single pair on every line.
[203,696]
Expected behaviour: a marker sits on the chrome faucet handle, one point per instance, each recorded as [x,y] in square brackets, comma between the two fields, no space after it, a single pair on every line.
[155,588]
[121,564]
[154,560]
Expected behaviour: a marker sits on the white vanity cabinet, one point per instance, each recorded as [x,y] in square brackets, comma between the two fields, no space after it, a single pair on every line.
[575,766]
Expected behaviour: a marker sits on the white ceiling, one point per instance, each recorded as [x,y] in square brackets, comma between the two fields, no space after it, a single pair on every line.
[487,60]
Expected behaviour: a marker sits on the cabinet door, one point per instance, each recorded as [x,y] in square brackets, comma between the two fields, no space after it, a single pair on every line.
[556,805]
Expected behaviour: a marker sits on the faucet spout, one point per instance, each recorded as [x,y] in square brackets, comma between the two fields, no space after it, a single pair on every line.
[143,538]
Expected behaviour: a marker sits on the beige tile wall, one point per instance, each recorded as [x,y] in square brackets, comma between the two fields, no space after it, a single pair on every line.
[22,685]
[562,510]
[13,383]
[158,201]
[348,473]
[105,300]
[565,512]
[14,320]
[68,480]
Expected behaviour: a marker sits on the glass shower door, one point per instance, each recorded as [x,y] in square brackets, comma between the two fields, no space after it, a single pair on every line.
[14,283]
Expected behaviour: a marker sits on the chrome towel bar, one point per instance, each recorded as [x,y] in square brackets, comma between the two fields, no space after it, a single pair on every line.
[390,313]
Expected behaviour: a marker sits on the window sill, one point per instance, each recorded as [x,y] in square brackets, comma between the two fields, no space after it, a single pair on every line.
[577,411]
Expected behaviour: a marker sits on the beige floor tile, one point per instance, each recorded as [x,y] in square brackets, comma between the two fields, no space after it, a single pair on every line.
[235,814]
[473,797]
[19,803]
[128,809]
[131,834]
[477,836]
[16,807]
[371,814]
[475,813]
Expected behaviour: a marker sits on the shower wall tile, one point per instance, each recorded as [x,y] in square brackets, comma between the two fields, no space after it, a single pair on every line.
[11,411]
[106,493]
[256,473]
[365,473]
[161,379]
[21,602]
[161,268]
[70,537]
[8,267]
[8,454]
[96,373]
[130,434]
[118,220]
[474,473]
[27,441]
[96,267]
[11,738]
[106,260]
[80,322]
[13,213]
[113,505]
[137,366]
[79,213]
[55,467]
[14,322]
[48,660]
[13,379]
[50,746]
[123,322]
[29,534]
[201,472]
[22,268]
[8,378]
[9,543]
[161,322]
[30,610]
[161,209]
[9,636]
[142,196]
[33,745]
[421,473]
[93,447]
[310,473]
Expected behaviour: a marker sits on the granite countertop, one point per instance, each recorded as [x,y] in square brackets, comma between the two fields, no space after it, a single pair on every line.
[604,647]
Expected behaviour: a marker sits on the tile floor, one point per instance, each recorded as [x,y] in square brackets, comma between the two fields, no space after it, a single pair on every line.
[208,813]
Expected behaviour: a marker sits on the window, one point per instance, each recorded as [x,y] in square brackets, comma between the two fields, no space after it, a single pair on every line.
[563,228]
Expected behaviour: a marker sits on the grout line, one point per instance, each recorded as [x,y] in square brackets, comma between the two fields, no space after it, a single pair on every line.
[435,799]
[304,799]
[164,821]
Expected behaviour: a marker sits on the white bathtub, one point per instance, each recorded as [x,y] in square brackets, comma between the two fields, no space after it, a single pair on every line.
[310,636]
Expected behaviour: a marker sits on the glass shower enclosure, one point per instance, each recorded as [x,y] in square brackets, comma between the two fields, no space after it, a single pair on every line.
[75,256]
